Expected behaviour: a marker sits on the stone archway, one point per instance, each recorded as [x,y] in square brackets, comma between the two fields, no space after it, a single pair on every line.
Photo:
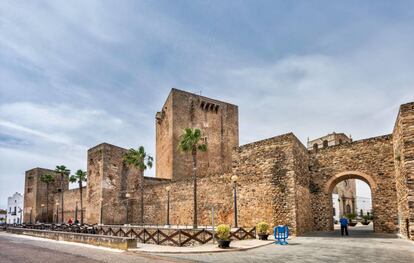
[330,184]
[337,178]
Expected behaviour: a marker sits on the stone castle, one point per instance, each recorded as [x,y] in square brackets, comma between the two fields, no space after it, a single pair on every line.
[280,180]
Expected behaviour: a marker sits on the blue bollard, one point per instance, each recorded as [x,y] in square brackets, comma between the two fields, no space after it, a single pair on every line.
[281,233]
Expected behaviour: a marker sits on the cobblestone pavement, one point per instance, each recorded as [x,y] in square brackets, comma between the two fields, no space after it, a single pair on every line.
[361,246]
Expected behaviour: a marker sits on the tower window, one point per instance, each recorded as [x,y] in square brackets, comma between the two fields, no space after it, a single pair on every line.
[325,143]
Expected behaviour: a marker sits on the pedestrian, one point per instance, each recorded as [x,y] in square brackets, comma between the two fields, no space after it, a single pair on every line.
[344,225]
[70,221]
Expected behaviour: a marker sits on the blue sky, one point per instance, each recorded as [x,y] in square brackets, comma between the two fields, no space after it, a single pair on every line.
[74,74]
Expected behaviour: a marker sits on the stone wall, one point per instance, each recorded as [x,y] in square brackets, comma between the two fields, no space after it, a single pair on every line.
[403,138]
[72,200]
[266,191]
[115,242]
[301,185]
[370,160]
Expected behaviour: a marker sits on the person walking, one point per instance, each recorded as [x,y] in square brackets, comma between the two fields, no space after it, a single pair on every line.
[344,225]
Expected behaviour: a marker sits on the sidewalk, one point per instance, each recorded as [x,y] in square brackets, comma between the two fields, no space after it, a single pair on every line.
[235,245]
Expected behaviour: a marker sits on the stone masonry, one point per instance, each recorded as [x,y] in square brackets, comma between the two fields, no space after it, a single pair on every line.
[280,180]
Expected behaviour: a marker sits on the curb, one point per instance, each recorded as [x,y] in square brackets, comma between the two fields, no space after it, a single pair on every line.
[135,250]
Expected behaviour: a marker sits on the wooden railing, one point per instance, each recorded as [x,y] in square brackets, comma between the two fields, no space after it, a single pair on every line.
[173,237]
[159,236]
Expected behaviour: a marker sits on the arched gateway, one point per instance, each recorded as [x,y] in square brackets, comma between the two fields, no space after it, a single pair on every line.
[334,180]
[369,160]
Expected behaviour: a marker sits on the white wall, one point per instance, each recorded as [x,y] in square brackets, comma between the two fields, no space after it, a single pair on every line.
[15,209]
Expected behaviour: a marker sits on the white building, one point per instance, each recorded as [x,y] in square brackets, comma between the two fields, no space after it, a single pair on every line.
[335,204]
[363,204]
[15,209]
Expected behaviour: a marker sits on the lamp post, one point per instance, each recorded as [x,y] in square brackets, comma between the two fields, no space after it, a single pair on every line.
[234,180]
[101,215]
[30,220]
[76,213]
[21,214]
[57,212]
[168,188]
[43,212]
[127,196]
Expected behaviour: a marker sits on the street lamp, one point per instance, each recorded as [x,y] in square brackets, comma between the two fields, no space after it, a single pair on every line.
[168,188]
[57,212]
[101,215]
[234,179]
[21,214]
[76,213]
[30,220]
[43,212]
[127,196]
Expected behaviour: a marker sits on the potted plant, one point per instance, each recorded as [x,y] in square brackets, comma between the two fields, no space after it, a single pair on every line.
[351,217]
[366,220]
[262,230]
[223,236]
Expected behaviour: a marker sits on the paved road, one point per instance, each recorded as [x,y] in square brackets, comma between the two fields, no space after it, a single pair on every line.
[361,246]
[18,249]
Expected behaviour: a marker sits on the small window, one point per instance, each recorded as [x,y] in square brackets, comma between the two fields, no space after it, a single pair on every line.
[325,144]
[29,190]
[340,141]
[315,146]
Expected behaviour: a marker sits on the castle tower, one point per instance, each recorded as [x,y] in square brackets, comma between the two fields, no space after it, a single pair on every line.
[35,195]
[218,122]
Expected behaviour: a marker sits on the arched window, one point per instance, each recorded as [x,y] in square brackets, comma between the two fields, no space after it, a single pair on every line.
[325,143]
[340,141]
[315,146]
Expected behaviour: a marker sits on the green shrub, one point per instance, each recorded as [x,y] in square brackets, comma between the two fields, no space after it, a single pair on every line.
[223,232]
[367,217]
[262,228]
[351,216]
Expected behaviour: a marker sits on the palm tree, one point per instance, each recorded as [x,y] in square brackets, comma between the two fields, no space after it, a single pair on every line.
[190,141]
[79,177]
[47,179]
[141,160]
[63,171]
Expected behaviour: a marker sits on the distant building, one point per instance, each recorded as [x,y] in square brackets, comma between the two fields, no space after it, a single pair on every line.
[363,205]
[335,204]
[3,214]
[328,140]
[15,209]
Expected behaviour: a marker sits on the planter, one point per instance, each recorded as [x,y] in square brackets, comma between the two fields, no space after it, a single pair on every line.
[365,223]
[223,243]
[352,223]
[263,236]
